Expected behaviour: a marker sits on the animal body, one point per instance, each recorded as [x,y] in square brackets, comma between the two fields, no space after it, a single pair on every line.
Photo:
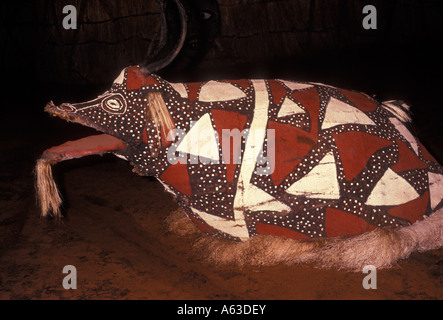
[268,157]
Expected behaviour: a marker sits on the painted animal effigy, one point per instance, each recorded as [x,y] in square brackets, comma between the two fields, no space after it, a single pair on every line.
[245,158]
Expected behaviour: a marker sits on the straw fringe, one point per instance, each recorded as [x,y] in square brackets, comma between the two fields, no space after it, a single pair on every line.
[380,247]
[48,195]
[159,114]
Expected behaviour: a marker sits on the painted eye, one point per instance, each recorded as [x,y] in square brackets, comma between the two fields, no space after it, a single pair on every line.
[114,104]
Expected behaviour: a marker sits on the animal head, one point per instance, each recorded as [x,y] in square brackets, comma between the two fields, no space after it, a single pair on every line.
[132,110]
[131,113]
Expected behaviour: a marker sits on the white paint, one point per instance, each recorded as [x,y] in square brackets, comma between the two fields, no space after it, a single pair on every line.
[236,228]
[320,183]
[397,111]
[339,112]
[214,91]
[258,200]
[435,188]
[391,190]
[296,85]
[180,88]
[405,133]
[120,78]
[201,140]
[289,107]
[254,143]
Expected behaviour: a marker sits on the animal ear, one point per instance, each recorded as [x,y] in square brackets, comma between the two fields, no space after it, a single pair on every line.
[135,79]
[158,121]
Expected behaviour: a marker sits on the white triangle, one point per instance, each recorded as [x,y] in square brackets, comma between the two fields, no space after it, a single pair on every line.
[320,183]
[405,133]
[121,77]
[296,85]
[256,199]
[180,88]
[435,188]
[339,112]
[201,140]
[391,190]
[214,91]
[289,107]
[236,228]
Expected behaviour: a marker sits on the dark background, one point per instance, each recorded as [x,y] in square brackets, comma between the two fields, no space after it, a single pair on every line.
[113,230]
[314,40]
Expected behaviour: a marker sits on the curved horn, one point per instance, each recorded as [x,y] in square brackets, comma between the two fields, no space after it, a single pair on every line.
[163,33]
[152,67]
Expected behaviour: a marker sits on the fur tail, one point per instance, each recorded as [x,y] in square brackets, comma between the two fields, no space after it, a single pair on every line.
[380,247]
[48,195]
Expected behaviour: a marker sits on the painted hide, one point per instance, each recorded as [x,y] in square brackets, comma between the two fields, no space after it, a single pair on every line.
[293,159]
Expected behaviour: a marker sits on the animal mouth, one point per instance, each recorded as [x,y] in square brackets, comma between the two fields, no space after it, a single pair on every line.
[48,195]
[96,144]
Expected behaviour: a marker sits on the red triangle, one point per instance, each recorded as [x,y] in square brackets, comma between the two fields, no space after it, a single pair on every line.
[355,149]
[177,176]
[278,91]
[310,100]
[407,159]
[412,210]
[228,120]
[268,229]
[339,222]
[135,80]
[194,88]
[291,146]
[360,100]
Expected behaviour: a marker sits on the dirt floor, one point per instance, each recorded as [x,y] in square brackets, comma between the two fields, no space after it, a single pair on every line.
[115,235]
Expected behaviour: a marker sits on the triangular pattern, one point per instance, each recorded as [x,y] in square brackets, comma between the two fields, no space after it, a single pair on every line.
[310,100]
[355,149]
[193,88]
[339,222]
[201,140]
[256,199]
[215,91]
[435,188]
[232,227]
[121,77]
[278,91]
[289,107]
[291,145]
[360,100]
[177,176]
[232,123]
[412,210]
[296,85]
[405,133]
[391,190]
[180,88]
[320,183]
[339,112]
[408,160]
